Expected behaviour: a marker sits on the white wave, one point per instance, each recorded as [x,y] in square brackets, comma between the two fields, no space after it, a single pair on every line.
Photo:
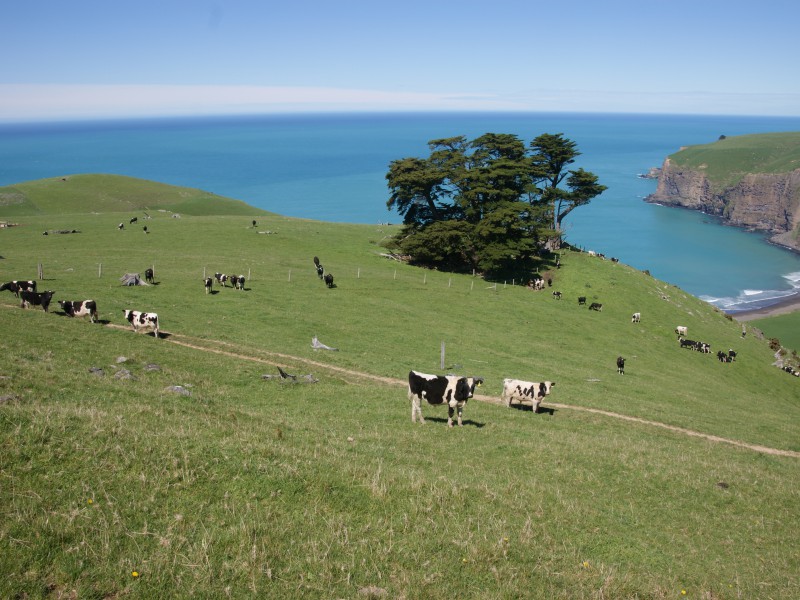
[793,279]
[749,299]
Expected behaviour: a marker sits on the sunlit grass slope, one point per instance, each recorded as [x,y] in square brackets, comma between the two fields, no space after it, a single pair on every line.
[254,488]
[112,194]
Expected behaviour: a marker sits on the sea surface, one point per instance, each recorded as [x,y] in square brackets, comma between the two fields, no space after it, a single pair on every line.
[333,168]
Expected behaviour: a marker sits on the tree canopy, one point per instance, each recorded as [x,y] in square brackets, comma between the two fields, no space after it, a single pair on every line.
[488,204]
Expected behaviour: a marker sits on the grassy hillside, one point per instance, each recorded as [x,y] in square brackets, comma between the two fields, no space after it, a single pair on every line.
[254,488]
[112,194]
[727,160]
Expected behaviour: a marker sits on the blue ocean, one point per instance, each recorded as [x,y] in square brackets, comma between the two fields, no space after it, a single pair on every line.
[333,167]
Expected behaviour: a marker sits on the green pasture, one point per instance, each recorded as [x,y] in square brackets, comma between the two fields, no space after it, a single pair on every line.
[727,160]
[253,487]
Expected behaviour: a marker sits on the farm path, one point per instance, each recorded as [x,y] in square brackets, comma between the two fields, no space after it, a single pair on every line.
[268,358]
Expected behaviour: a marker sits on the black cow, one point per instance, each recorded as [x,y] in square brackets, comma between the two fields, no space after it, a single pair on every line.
[620,365]
[80,308]
[19,286]
[148,275]
[329,280]
[685,343]
[596,306]
[440,389]
[722,357]
[42,299]
[581,300]
[557,295]
[208,282]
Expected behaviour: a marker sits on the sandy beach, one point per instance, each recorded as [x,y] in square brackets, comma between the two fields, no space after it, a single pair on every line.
[789,305]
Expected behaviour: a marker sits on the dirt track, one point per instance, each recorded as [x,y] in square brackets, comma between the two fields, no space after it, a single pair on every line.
[267,358]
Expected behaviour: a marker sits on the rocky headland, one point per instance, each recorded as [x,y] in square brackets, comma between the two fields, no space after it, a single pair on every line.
[734,182]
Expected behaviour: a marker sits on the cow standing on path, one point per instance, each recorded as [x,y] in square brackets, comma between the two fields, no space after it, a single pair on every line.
[440,389]
[143,320]
[516,389]
[85,308]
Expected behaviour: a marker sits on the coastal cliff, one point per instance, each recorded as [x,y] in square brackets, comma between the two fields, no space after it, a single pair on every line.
[735,182]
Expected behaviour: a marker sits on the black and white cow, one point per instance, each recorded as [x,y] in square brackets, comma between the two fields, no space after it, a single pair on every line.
[144,320]
[237,281]
[688,343]
[451,390]
[42,299]
[329,280]
[208,282]
[80,308]
[732,355]
[722,357]
[557,295]
[596,306]
[636,317]
[516,389]
[620,365]
[133,220]
[148,275]
[19,286]
[221,278]
[581,300]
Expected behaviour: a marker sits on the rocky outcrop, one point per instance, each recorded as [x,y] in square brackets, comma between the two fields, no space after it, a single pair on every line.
[768,202]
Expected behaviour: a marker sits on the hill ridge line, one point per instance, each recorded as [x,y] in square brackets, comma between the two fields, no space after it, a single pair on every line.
[483,398]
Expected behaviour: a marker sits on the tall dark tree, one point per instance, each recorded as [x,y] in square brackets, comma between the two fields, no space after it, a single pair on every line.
[552,154]
[487,203]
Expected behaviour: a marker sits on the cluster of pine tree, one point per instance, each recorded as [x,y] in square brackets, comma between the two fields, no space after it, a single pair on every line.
[490,205]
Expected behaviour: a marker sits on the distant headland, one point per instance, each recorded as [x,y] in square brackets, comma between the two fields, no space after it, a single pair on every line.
[750,181]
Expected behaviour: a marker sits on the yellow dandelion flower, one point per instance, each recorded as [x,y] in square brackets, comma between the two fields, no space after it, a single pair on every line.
[683,592]
[463,560]
[586,564]
[135,574]
[89,501]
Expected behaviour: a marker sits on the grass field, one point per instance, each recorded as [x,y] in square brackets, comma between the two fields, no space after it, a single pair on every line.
[119,487]
[727,160]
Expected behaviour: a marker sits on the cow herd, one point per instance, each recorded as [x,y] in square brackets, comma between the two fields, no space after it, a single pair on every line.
[26,292]
[702,347]
[326,277]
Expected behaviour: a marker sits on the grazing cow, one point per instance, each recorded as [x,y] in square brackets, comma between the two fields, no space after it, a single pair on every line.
[614,259]
[682,330]
[703,347]
[688,343]
[133,220]
[581,300]
[329,280]
[121,226]
[207,282]
[515,389]
[221,278]
[80,308]
[148,275]
[145,229]
[596,306]
[732,355]
[145,320]
[722,357]
[19,286]
[557,295]
[636,317]
[592,253]
[42,299]
[440,389]
[254,222]
[237,281]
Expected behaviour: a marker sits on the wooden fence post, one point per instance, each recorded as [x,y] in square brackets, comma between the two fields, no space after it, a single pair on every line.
[441,359]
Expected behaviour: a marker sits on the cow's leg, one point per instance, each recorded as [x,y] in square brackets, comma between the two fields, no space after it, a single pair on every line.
[536,404]
[460,410]
[450,411]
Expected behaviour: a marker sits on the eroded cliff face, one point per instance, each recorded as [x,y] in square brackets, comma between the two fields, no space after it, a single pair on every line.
[764,202]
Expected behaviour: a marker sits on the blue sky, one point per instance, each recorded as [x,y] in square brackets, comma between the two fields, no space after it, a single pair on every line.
[88,58]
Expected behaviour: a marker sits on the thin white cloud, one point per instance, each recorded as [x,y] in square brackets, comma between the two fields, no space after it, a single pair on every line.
[31,102]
